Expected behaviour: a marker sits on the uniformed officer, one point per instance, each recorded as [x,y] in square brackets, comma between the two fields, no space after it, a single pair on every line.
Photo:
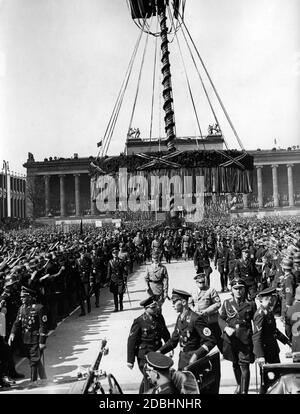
[235,318]
[157,279]
[191,332]
[246,270]
[85,266]
[157,371]
[296,270]
[205,301]
[221,262]
[292,325]
[287,286]
[31,323]
[265,347]
[202,262]
[146,333]
[185,246]
[117,279]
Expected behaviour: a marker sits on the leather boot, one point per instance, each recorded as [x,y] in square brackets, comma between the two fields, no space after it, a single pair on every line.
[41,371]
[34,374]
[116,303]
[245,379]
[237,374]
[121,302]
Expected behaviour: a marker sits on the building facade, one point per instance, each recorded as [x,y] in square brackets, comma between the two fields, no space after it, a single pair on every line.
[58,187]
[12,194]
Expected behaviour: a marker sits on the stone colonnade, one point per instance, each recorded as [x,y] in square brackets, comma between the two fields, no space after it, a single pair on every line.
[62,195]
[274,168]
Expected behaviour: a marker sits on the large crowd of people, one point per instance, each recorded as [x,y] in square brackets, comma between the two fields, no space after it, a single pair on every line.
[62,270]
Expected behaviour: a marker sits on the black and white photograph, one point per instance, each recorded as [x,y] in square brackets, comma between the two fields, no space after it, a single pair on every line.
[150,200]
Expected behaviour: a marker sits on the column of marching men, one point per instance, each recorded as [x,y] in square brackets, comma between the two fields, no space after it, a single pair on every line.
[45,275]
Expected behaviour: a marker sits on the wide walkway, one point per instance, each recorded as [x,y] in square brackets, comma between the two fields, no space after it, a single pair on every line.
[76,341]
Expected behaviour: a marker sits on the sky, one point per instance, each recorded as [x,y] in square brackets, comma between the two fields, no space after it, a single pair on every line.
[62,63]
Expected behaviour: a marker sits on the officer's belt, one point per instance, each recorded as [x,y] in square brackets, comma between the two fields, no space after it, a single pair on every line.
[155,281]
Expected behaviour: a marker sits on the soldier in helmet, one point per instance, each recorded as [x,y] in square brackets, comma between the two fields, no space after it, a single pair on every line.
[191,332]
[31,323]
[287,286]
[235,320]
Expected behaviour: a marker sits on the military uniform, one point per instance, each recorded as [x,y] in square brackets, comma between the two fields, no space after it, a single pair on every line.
[194,337]
[202,262]
[85,269]
[233,255]
[163,383]
[167,250]
[185,246]
[264,336]
[157,280]
[31,323]
[117,279]
[292,325]
[221,262]
[208,301]
[146,335]
[238,348]
[287,292]
[246,270]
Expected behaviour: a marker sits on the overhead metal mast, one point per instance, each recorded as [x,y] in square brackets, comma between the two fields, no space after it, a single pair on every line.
[167,80]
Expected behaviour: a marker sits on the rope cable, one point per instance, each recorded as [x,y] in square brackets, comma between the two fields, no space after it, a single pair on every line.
[214,88]
[121,94]
[201,80]
[190,91]
[139,81]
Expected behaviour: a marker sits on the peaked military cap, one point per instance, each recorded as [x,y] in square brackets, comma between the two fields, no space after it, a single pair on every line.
[115,250]
[181,294]
[296,258]
[10,283]
[267,292]
[199,276]
[159,361]
[287,264]
[148,301]
[238,283]
[26,291]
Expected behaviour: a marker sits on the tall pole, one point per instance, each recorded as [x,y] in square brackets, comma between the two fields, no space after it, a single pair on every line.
[167,82]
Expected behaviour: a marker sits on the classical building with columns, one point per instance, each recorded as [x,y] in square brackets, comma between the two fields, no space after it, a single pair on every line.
[12,194]
[61,188]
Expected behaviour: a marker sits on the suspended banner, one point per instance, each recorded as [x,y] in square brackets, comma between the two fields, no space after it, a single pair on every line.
[144,9]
